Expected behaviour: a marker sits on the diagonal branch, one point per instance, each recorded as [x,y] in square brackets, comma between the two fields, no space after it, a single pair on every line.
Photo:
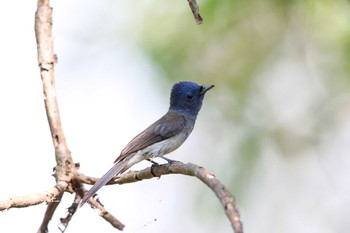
[195,10]
[50,210]
[189,169]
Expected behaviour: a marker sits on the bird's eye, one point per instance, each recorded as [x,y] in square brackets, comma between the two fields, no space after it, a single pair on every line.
[189,96]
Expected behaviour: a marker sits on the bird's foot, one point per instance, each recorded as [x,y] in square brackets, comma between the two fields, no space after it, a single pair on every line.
[154,163]
[169,160]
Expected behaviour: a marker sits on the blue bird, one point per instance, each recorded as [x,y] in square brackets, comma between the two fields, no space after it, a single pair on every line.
[163,136]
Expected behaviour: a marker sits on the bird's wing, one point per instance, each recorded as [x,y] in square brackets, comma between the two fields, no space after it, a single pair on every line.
[167,126]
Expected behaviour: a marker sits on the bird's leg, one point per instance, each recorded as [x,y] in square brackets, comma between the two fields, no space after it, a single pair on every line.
[154,164]
[150,160]
[169,160]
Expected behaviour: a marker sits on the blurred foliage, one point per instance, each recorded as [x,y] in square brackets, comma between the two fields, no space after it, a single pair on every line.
[237,42]
[238,38]
[230,46]
[282,94]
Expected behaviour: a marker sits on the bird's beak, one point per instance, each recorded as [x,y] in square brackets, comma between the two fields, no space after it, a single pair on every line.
[206,88]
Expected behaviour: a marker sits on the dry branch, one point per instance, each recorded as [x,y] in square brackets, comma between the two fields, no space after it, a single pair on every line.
[46,61]
[65,166]
[195,10]
[189,169]
[35,199]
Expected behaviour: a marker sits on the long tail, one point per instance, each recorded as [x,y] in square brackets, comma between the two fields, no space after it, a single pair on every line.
[115,170]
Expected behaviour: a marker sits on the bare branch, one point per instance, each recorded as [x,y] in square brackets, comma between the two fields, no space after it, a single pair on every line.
[80,190]
[46,61]
[30,200]
[189,169]
[50,210]
[195,10]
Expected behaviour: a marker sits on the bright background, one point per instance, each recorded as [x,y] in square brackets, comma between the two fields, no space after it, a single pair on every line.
[275,129]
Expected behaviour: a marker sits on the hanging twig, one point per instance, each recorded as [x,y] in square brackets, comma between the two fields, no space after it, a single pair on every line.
[195,10]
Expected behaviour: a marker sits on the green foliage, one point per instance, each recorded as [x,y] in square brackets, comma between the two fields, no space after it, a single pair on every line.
[240,38]
[239,47]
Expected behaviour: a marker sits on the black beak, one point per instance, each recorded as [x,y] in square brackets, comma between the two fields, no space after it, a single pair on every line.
[206,88]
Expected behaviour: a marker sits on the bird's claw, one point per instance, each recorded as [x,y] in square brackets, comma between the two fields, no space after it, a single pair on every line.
[169,160]
[154,165]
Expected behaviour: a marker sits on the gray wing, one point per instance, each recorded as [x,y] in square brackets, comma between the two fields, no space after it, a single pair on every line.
[169,125]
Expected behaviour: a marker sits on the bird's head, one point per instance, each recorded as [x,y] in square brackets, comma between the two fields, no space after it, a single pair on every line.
[188,97]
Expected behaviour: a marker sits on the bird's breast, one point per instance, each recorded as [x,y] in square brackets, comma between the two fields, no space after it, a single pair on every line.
[166,146]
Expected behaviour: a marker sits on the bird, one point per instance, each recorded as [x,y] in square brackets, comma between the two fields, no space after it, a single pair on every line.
[163,136]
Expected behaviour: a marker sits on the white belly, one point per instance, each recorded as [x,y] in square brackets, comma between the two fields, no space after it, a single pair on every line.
[157,149]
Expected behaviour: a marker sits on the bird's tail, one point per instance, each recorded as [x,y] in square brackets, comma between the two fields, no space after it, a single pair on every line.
[115,170]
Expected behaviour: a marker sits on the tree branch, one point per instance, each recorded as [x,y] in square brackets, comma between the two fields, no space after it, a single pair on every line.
[35,199]
[50,210]
[46,61]
[195,10]
[64,161]
[189,169]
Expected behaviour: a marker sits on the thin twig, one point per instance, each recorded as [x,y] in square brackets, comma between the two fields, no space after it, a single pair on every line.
[195,10]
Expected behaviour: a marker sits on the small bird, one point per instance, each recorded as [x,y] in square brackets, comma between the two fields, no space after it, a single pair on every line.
[163,136]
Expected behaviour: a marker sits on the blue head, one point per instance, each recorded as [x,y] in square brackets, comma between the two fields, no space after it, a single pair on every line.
[188,97]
